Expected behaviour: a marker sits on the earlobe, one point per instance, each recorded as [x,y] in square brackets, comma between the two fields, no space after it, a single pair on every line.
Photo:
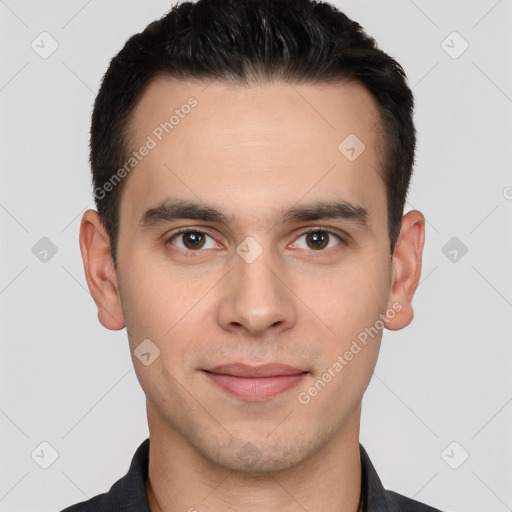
[406,269]
[99,270]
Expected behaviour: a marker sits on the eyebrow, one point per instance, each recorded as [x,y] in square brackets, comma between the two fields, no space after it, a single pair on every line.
[175,209]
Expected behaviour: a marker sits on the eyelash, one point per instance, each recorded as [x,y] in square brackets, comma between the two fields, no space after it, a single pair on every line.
[190,253]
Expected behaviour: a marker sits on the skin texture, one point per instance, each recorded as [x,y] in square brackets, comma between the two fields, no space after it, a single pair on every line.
[250,152]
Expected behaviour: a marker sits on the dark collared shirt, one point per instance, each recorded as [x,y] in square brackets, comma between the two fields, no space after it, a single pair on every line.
[128,494]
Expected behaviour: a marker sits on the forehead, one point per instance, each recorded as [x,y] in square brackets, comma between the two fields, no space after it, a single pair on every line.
[255,147]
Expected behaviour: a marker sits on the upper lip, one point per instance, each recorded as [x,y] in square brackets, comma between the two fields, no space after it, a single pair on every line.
[265,370]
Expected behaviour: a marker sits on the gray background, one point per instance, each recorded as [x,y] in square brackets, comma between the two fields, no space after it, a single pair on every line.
[67,381]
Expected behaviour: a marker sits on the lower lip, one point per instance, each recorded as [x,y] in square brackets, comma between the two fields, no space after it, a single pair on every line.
[255,389]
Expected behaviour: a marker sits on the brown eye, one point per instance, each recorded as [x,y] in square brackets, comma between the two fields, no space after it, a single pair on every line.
[192,240]
[317,239]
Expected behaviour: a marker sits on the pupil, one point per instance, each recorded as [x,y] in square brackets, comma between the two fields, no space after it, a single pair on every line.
[194,239]
[318,236]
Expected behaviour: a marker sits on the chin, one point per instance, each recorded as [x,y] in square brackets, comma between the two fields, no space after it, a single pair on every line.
[260,457]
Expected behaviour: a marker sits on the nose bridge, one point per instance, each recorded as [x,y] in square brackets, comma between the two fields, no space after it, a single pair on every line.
[256,279]
[257,297]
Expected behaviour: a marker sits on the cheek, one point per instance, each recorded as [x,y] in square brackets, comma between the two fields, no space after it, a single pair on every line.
[166,305]
[351,304]
[152,299]
[348,298]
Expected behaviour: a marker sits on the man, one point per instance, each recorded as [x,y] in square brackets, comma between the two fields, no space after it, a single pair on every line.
[251,160]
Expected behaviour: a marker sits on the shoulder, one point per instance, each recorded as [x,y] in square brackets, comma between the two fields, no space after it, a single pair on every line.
[379,499]
[127,494]
[96,504]
[111,501]
[404,504]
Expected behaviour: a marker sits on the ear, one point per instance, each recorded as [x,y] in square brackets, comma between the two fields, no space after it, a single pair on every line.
[406,269]
[99,270]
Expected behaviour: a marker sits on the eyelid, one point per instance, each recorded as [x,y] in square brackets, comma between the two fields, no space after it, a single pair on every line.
[200,229]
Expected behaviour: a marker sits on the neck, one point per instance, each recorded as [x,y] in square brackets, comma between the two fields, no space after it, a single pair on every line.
[180,479]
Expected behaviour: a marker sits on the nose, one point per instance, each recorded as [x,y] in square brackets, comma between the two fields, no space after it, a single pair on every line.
[257,298]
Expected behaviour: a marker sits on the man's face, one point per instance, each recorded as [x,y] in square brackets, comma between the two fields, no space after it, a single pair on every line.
[257,289]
